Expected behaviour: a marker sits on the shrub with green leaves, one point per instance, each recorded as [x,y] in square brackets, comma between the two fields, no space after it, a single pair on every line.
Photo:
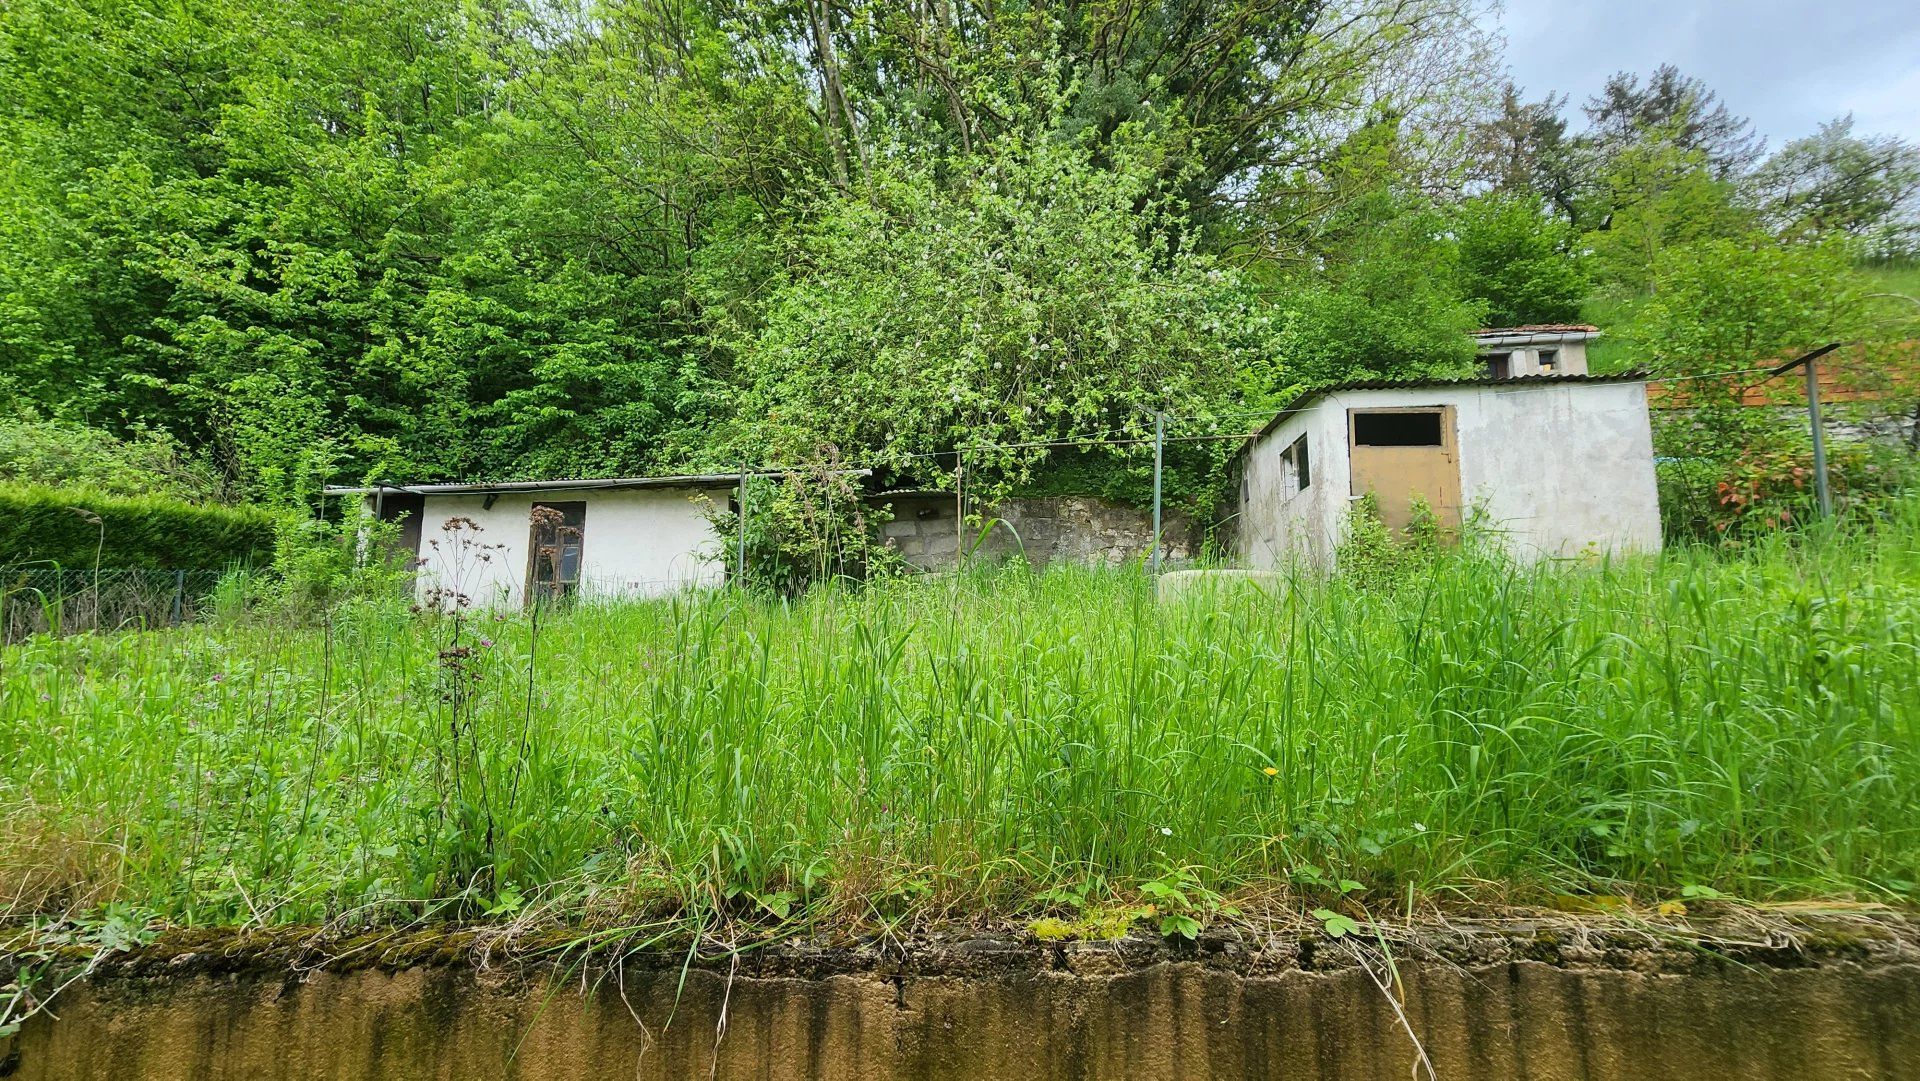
[1037,295]
[807,527]
[65,454]
[1372,556]
[77,527]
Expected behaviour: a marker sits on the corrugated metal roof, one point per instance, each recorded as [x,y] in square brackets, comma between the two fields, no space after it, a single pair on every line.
[574,484]
[1539,328]
[1314,394]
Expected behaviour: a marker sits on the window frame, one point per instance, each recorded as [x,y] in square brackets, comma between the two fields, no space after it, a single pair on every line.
[1297,462]
[552,542]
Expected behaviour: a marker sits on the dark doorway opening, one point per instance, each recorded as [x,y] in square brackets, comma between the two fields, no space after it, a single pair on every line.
[407,509]
[1421,429]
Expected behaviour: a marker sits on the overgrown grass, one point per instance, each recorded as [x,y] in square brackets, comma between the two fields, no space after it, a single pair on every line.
[997,743]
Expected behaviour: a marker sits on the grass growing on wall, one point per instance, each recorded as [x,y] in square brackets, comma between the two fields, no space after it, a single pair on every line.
[1002,742]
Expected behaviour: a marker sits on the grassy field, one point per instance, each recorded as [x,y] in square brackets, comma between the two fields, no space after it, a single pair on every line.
[997,744]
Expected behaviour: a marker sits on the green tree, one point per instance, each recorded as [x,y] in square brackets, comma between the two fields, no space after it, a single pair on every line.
[1658,195]
[1524,149]
[1838,183]
[1525,265]
[1730,304]
[1031,299]
[1691,116]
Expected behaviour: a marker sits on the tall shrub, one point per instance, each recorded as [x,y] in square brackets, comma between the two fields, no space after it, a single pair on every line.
[77,527]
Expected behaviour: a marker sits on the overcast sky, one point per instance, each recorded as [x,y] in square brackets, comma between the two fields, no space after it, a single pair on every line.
[1785,66]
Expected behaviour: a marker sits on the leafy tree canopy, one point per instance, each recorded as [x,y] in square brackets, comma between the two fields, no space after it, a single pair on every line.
[319,240]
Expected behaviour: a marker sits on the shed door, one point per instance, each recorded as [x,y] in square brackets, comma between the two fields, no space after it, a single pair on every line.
[558,542]
[1398,454]
[407,509]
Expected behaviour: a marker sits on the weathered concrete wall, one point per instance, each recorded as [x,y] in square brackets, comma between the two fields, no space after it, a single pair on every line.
[1522,360]
[996,1009]
[1279,524]
[1555,470]
[637,543]
[1561,469]
[1072,529]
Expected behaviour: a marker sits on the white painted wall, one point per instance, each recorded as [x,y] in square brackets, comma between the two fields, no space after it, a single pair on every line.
[1556,470]
[1279,527]
[1570,358]
[637,543]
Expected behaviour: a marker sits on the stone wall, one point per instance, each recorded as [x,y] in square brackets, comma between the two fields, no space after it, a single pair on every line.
[1074,529]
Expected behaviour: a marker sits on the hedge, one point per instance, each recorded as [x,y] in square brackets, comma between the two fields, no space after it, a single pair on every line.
[72,527]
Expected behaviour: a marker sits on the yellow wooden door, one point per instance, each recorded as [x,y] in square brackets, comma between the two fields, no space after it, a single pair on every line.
[1398,454]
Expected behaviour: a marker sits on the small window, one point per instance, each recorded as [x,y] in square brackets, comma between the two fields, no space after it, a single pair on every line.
[1421,429]
[558,542]
[1500,366]
[1299,471]
[1549,361]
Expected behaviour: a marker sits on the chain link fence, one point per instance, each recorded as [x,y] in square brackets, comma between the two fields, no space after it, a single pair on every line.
[53,600]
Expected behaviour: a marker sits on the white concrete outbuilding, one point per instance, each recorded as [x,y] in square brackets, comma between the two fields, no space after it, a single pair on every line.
[1555,466]
[621,537]
[1536,349]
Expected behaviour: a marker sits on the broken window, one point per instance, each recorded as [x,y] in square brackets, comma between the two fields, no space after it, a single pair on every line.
[1500,366]
[559,537]
[1549,361]
[1397,429]
[1299,472]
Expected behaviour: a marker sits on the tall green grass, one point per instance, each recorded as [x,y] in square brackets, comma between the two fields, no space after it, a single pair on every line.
[964,745]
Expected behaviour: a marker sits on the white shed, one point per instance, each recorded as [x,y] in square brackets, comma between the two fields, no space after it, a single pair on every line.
[1555,466]
[622,537]
[1537,349]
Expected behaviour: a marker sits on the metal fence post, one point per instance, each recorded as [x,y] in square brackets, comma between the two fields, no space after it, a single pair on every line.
[1159,443]
[1820,484]
[179,596]
[959,507]
[740,556]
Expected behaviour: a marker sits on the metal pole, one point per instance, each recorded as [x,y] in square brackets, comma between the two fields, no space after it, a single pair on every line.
[959,506]
[1159,443]
[740,556]
[179,595]
[1820,485]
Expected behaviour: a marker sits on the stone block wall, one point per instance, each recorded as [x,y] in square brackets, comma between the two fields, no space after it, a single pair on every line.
[1078,529]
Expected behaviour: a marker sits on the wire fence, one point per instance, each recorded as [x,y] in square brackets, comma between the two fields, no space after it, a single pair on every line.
[39,599]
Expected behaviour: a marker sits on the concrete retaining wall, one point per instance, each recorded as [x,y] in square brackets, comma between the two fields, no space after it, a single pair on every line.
[996,1009]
